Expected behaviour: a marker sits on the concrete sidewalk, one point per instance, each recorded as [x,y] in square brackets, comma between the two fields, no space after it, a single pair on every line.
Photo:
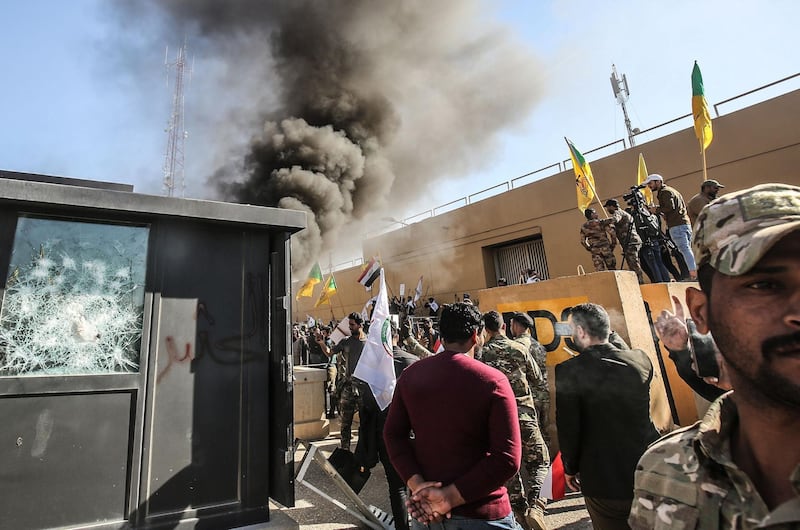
[313,512]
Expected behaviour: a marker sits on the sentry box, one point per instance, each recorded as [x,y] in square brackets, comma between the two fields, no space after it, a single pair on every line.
[144,375]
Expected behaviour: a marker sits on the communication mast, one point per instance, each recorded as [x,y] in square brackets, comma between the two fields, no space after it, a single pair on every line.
[176,132]
[621,92]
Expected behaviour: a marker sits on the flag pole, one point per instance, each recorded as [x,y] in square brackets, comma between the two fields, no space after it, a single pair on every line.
[597,197]
[703,149]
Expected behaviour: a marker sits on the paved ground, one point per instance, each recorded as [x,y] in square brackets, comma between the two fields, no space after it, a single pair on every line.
[313,512]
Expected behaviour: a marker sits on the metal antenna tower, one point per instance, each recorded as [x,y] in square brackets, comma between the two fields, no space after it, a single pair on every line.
[621,92]
[176,133]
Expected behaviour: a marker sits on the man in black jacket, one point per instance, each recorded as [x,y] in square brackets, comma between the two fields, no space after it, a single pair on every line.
[371,447]
[603,417]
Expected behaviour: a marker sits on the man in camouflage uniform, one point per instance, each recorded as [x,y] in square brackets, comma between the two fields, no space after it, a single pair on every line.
[512,358]
[739,467]
[625,228]
[348,352]
[521,326]
[598,237]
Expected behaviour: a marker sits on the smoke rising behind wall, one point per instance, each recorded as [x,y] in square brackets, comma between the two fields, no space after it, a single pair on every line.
[370,102]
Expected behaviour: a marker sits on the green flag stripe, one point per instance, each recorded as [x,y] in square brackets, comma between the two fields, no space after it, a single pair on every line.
[697,81]
[315,273]
[577,154]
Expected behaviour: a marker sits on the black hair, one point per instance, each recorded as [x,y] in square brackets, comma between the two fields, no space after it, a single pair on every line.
[523,319]
[704,275]
[493,321]
[459,321]
[588,212]
[593,319]
[356,317]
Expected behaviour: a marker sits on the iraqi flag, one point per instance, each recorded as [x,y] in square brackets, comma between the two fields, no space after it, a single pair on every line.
[370,272]
[376,364]
[555,486]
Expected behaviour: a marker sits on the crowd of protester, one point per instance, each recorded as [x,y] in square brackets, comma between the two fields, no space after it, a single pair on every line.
[467,412]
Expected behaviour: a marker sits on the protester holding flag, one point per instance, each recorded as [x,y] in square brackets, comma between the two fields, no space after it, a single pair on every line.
[371,447]
[348,353]
[599,238]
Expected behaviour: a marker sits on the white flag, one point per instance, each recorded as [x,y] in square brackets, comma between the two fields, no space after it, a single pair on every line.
[341,331]
[402,290]
[376,365]
[418,290]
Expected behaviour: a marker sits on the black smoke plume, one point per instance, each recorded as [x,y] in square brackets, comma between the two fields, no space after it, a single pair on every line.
[369,101]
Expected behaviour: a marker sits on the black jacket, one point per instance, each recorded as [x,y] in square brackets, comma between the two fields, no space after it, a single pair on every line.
[603,417]
[371,418]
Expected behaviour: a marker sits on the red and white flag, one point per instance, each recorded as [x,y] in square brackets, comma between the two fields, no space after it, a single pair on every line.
[555,486]
[370,272]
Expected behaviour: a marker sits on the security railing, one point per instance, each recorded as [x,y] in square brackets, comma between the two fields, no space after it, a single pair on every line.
[560,166]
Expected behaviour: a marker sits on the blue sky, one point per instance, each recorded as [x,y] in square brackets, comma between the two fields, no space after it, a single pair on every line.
[70,106]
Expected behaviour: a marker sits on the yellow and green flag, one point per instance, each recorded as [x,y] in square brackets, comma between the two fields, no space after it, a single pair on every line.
[702,118]
[327,291]
[641,177]
[584,181]
[314,277]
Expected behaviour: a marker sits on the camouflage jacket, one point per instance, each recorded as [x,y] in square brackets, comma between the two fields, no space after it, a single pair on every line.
[598,235]
[624,225]
[687,480]
[512,359]
[537,352]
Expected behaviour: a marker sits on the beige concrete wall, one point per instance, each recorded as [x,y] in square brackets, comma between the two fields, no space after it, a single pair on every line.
[757,144]
[452,251]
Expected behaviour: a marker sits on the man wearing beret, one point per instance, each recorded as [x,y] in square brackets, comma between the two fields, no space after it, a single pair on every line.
[708,192]
[738,467]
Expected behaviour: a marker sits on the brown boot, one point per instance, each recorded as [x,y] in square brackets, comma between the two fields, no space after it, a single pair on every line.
[534,517]
[519,515]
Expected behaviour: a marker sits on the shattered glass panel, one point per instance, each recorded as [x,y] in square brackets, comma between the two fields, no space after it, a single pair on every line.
[74,298]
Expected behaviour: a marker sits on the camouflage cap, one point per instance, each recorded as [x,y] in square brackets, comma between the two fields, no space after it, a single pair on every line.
[733,232]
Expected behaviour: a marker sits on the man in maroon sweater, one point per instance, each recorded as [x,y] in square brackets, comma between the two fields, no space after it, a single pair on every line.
[452,431]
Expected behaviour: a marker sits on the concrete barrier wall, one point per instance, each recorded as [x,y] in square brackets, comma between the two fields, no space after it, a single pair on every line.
[617,291]
[658,297]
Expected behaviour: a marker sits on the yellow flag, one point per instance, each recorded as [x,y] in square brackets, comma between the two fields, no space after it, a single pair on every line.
[702,118]
[327,292]
[584,181]
[314,277]
[642,176]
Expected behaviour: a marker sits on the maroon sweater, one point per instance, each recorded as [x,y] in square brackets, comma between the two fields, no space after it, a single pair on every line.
[464,420]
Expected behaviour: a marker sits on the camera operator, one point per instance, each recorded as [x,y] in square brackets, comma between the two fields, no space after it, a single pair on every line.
[672,206]
[627,235]
[649,229]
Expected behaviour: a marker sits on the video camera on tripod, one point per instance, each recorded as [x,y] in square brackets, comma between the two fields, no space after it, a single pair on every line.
[647,224]
[649,227]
